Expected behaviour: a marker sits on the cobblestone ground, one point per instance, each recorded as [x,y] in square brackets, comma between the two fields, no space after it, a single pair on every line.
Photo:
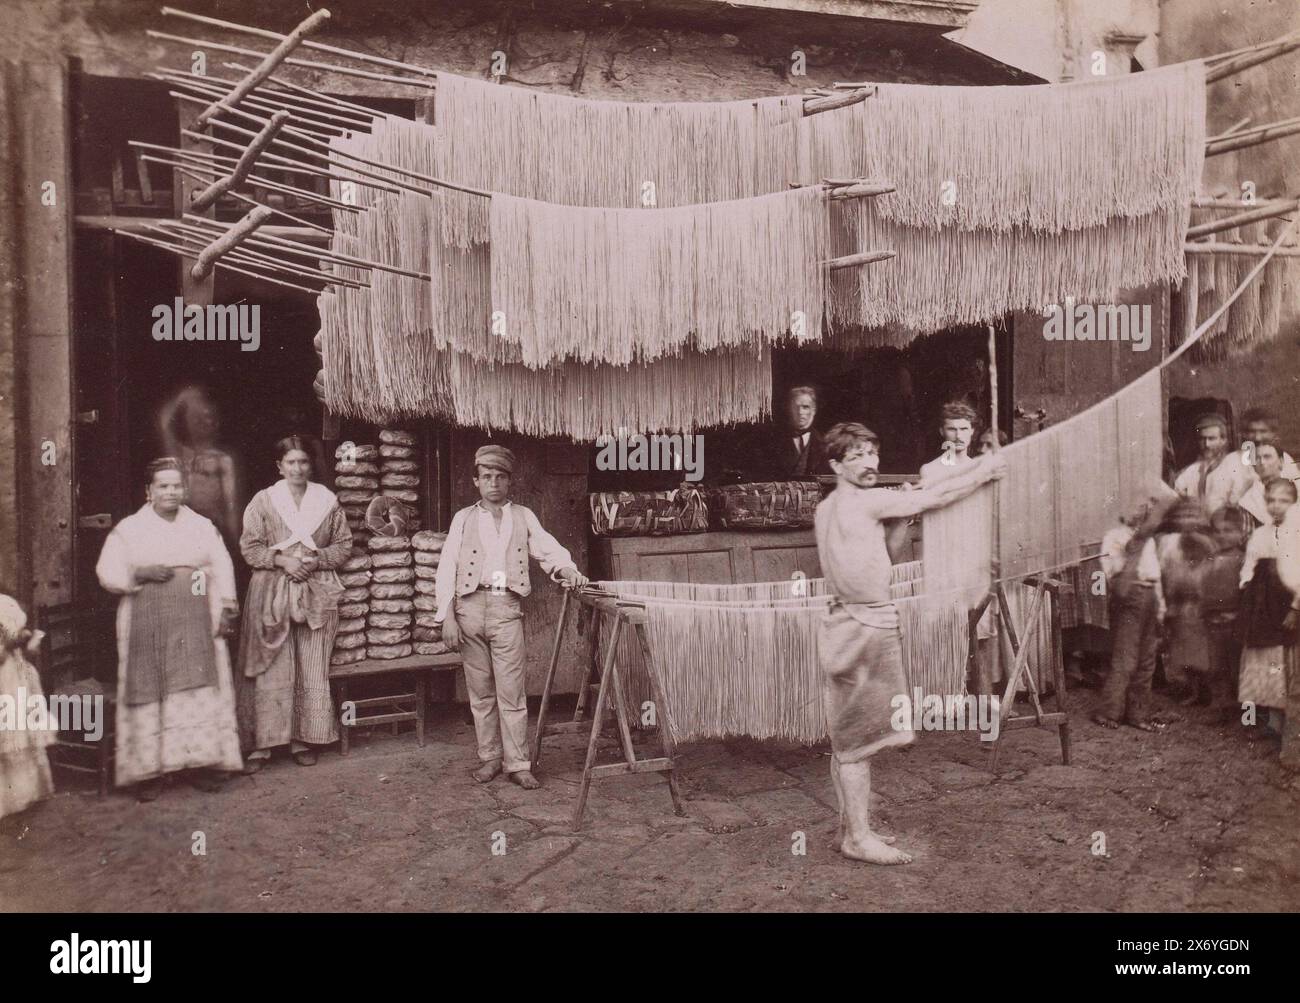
[1194,819]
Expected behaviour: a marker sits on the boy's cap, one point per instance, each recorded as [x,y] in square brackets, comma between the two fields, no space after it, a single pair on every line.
[497,457]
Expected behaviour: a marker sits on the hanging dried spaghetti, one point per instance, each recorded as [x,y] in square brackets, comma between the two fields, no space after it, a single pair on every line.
[1048,158]
[618,285]
[613,154]
[1049,512]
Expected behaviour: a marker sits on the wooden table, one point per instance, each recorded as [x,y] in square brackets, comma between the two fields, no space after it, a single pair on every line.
[419,665]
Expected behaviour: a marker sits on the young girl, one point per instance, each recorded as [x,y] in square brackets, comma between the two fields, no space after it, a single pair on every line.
[1265,603]
[24,768]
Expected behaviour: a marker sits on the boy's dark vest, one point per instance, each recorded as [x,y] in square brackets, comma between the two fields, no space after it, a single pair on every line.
[469,561]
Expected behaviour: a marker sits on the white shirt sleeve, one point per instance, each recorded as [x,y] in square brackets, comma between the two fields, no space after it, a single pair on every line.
[1113,550]
[445,582]
[546,549]
[1188,481]
[114,568]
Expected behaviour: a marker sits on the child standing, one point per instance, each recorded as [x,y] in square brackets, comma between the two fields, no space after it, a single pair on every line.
[1128,556]
[481,581]
[1186,549]
[24,769]
[1220,597]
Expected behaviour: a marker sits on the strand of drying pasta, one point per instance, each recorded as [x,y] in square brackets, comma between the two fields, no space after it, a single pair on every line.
[1039,157]
[949,277]
[1048,512]
[614,154]
[625,285]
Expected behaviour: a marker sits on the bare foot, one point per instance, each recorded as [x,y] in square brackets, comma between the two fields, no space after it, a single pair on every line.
[837,839]
[874,851]
[487,771]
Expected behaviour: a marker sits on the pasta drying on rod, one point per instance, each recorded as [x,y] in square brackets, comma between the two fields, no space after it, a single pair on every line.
[624,285]
[742,659]
[1049,515]
[1046,158]
[629,155]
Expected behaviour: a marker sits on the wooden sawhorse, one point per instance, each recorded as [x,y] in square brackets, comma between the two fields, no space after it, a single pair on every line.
[1020,650]
[621,616]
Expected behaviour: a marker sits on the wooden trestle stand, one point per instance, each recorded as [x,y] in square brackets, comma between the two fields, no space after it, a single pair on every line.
[1008,721]
[621,616]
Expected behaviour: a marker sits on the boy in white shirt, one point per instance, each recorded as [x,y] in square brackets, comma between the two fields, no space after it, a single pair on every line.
[482,577]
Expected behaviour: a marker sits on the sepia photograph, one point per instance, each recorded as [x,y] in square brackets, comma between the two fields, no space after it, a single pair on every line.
[650,457]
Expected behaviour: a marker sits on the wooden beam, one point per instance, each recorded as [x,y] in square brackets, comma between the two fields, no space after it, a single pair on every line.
[13,443]
[1283,45]
[141,224]
[44,157]
[1285,251]
[228,241]
[1269,211]
[853,260]
[817,105]
[1253,137]
[256,145]
[265,68]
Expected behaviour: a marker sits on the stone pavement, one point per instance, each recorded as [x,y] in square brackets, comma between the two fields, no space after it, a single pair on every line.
[1196,819]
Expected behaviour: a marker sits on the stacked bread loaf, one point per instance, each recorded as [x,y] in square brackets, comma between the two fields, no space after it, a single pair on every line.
[427,634]
[392,591]
[354,607]
[399,470]
[356,483]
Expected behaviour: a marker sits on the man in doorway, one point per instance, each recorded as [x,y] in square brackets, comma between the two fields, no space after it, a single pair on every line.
[798,452]
[957,427]
[859,647]
[482,577]
[1219,477]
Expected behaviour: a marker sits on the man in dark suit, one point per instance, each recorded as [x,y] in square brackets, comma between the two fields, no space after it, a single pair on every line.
[797,452]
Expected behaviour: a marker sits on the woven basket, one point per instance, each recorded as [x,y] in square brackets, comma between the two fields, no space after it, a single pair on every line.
[649,513]
[765,505]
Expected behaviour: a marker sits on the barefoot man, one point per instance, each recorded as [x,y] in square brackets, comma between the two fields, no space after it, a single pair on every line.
[859,646]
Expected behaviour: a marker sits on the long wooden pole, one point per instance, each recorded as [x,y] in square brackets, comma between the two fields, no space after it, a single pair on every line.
[1269,50]
[1241,219]
[361,57]
[1254,137]
[264,69]
[995,558]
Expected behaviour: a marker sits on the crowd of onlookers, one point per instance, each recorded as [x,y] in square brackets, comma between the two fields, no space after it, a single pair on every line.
[1209,574]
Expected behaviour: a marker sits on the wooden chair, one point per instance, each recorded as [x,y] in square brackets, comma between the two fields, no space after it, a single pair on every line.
[79,657]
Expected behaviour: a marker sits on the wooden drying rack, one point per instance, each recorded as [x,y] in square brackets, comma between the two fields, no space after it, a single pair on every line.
[620,615]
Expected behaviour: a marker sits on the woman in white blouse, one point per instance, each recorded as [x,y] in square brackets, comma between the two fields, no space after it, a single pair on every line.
[175,692]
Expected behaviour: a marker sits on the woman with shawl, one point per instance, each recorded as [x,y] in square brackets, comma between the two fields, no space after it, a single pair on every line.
[175,698]
[295,535]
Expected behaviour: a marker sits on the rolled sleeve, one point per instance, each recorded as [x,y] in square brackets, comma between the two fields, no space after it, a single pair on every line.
[445,581]
[546,549]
